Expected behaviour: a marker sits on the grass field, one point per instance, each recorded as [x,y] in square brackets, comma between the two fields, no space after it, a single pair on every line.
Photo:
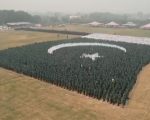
[19,38]
[23,98]
[117,31]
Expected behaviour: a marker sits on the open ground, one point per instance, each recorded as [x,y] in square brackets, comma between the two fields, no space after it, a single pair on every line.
[18,38]
[22,97]
[117,31]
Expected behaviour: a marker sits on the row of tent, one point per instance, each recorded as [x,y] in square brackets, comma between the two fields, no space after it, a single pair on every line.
[114,24]
[4,28]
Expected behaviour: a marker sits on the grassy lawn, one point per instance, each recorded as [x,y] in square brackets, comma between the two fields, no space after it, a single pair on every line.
[18,38]
[117,31]
[25,98]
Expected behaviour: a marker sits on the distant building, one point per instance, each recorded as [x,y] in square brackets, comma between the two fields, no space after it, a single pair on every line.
[146,27]
[130,25]
[1,28]
[95,24]
[112,24]
[19,24]
[74,17]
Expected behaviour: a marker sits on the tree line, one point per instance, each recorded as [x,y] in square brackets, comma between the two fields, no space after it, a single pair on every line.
[60,18]
[7,16]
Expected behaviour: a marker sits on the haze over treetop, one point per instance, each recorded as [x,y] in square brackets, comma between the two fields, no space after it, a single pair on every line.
[117,6]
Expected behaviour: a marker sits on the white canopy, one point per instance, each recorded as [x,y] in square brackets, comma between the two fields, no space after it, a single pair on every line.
[95,23]
[112,24]
[147,26]
[19,23]
[130,24]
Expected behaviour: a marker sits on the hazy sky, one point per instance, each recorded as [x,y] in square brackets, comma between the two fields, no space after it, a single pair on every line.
[116,6]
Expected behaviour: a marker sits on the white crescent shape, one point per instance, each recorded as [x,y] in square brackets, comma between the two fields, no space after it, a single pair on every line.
[65,45]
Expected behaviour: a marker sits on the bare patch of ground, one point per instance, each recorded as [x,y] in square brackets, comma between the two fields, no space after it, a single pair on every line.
[10,39]
[115,31]
[22,98]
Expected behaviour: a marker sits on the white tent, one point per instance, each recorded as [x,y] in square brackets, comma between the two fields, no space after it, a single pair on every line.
[147,26]
[130,24]
[95,24]
[19,23]
[112,24]
[38,25]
